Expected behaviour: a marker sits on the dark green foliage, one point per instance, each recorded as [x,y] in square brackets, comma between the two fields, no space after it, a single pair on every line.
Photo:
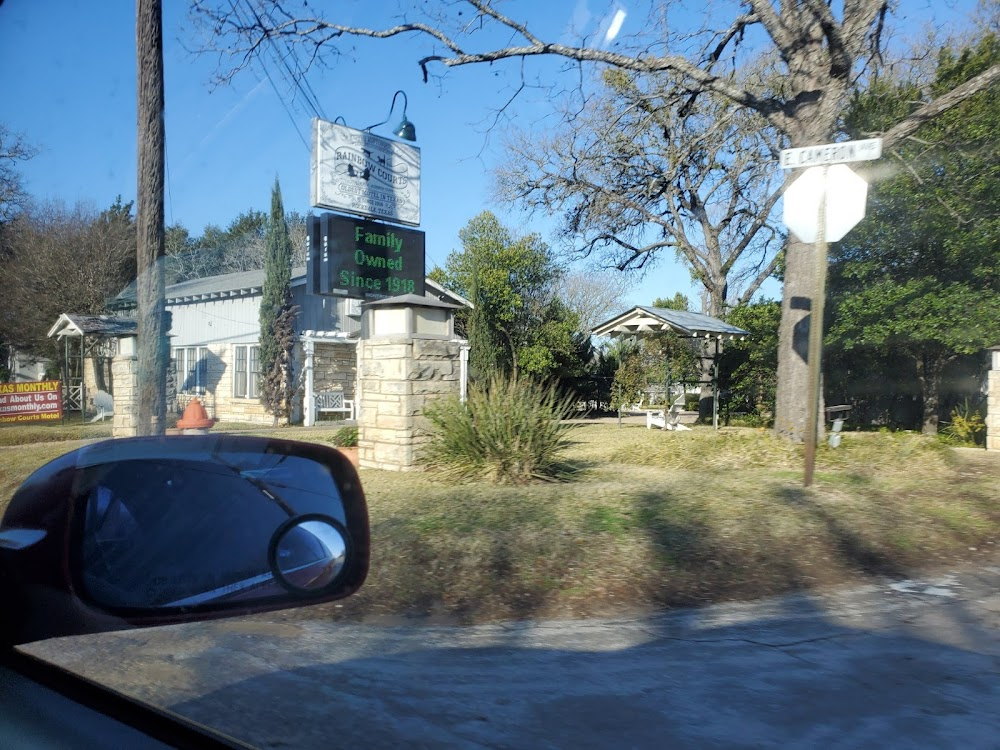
[917,283]
[631,375]
[508,431]
[748,369]
[519,325]
[674,357]
[277,314]
[483,345]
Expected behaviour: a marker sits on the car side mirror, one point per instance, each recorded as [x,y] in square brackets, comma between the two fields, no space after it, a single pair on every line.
[149,531]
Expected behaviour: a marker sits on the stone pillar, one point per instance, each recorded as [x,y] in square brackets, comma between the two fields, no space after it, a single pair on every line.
[125,375]
[398,376]
[993,402]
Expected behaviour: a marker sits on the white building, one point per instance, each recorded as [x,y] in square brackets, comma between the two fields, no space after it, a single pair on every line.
[214,340]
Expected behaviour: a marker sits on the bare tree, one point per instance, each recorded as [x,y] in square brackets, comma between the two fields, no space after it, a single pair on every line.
[823,50]
[643,168]
[13,150]
[247,253]
[594,295]
[62,261]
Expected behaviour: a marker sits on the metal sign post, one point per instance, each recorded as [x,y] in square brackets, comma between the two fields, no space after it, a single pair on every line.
[816,336]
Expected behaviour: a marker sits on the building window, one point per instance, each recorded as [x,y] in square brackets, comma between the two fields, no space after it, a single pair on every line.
[191,369]
[246,371]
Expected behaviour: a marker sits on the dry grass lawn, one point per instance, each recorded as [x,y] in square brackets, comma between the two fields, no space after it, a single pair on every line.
[656,519]
[660,519]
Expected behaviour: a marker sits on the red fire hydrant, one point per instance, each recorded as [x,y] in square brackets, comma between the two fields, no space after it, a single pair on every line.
[195,420]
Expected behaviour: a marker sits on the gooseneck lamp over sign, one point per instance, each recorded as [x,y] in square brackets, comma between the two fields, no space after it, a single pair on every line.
[405,129]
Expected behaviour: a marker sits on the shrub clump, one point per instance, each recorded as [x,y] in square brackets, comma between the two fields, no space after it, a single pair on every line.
[345,437]
[509,431]
[967,427]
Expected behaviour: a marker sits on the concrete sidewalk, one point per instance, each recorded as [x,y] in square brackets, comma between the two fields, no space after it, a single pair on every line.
[901,664]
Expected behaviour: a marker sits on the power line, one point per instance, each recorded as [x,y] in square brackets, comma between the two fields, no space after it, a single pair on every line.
[299,77]
[239,17]
[296,77]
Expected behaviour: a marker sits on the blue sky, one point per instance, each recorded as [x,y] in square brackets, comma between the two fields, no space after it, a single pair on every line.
[69,86]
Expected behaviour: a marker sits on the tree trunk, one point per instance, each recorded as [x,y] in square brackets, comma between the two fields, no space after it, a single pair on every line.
[793,396]
[717,292]
[152,338]
[818,99]
[706,369]
[929,368]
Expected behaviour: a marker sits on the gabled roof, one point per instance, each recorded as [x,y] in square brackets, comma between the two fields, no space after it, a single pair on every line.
[411,299]
[444,294]
[246,283]
[104,326]
[226,285]
[210,287]
[642,319]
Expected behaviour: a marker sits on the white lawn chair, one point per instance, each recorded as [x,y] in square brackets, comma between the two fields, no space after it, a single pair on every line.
[105,405]
[671,419]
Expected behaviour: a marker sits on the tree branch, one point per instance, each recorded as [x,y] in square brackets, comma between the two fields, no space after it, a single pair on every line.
[943,103]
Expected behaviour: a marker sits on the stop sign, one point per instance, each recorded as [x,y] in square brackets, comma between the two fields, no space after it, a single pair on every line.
[845,193]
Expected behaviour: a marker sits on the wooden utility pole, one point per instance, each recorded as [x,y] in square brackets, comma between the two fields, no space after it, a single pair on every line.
[152,335]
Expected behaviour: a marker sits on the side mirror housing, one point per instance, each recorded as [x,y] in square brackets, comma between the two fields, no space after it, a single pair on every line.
[151,531]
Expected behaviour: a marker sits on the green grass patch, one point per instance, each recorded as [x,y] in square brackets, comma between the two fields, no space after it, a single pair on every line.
[53,432]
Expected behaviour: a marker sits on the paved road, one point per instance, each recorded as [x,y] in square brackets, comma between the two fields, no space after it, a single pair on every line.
[901,664]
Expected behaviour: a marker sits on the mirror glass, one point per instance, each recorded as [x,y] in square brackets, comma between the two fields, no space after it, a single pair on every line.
[310,554]
[193,527]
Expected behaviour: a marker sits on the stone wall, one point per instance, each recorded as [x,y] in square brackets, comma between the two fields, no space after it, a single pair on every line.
[993,405]
[125,372]
[399,377]
[335,368]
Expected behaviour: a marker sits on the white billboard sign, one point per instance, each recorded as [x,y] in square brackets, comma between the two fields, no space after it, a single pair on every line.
[831,153]
[356,172]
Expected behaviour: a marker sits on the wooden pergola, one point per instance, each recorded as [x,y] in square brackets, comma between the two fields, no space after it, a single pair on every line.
[647,321]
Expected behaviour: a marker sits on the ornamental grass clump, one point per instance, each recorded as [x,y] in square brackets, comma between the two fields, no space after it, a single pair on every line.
[509,431]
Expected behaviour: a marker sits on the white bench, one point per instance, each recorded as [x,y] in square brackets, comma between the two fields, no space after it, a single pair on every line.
[334,401]
[669,420]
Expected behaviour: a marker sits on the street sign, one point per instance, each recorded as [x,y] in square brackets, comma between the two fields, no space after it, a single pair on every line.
[845,194]
[831,153]
[822,205]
